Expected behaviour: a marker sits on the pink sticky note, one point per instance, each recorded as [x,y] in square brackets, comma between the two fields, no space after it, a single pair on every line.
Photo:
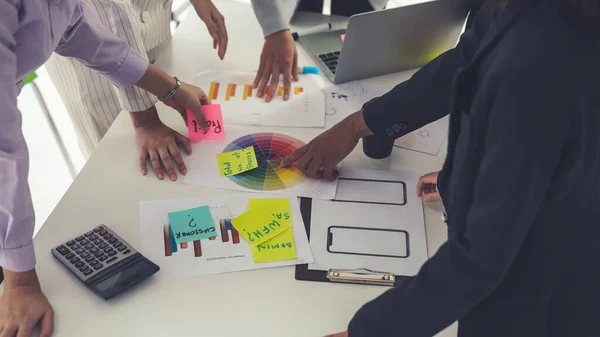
[214,119]
[343,36]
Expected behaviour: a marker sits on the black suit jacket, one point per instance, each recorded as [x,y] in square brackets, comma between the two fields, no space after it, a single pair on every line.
[521,181]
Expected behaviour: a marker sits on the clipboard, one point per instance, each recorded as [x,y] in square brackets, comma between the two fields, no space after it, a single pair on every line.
[356,276]
[369,190]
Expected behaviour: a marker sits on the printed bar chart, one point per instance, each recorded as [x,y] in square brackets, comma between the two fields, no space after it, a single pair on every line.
[226,228]
[213,93]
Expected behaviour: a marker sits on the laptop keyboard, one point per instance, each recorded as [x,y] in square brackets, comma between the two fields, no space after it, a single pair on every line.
[331,60]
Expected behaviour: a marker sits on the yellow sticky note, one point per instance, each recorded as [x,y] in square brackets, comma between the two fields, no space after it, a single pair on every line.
[236,162]
[279,208]
[279,248]
[258,225]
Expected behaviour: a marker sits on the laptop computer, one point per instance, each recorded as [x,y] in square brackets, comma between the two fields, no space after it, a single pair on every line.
[388,41]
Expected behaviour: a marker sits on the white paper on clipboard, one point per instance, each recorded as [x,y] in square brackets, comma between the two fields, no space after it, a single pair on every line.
[375,222]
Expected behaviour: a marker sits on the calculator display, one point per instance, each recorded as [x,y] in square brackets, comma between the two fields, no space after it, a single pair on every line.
[124,278]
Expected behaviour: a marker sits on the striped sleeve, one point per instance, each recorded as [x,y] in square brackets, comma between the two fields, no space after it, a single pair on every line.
[118,17]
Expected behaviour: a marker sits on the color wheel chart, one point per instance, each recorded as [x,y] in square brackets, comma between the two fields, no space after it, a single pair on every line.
[247,91]
[171,246]
[270,149]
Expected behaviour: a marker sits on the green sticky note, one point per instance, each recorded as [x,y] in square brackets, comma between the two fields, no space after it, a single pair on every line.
[192,224]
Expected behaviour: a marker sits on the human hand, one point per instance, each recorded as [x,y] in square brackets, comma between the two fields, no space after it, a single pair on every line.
[340,334]
[279,56]
[23,306]
[319,157]
[427,187]
[215,23]
[159,143]
[192,98]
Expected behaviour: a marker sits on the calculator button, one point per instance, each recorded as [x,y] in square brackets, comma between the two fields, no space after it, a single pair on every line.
[111,253]
[70,243]
[84,242]
[63,250]
[107,236]
[79,264]
[336,53]
[90,233]
[108,250]
[97,229]
[102,232]
[75,260]
[80,250]
[98,242]
[87,272]
[93,237]
[84,255]
[127,252]
[98,254]
[89,246]
[117,244]
[122,248]
[113,240]
[111,259]
[98,266]
[70,256]
[103,245]
[84,268]
[94,250]
[76,246]
[93,263]
[90,259]
[103,257]
[79,238]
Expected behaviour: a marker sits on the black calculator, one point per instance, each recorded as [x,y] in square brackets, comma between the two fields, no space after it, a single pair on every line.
[104,262]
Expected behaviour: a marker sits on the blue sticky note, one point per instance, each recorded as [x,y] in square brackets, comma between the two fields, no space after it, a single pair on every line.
[192,224]
[173,243]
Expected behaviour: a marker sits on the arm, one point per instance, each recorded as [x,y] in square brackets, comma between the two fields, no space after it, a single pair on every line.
[16,211]
[467,268]
[279,55]
[425,97]
[270,16]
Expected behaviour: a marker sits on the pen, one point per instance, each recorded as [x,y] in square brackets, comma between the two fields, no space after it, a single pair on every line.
[325,27]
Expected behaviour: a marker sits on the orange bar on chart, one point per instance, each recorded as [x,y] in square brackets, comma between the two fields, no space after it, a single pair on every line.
[280,91]
[265,91]
[184,245]
[298,90]
[233,86]
[247,89]
[228,92]
[214,90]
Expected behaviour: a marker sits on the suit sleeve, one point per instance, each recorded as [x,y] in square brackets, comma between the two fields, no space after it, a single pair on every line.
[270,16]
[524,139]
[425,97]
[97,48]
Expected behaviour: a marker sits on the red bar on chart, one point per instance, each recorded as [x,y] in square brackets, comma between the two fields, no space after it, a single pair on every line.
[214,90]
[235,236]
[249,91]
[224,232]
[212,238]
[197,248]
[167,239]
[233,86]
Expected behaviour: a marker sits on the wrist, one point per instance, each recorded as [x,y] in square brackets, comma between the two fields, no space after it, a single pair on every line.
[157,81]
[20,279]
[355,123]
[144,117]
